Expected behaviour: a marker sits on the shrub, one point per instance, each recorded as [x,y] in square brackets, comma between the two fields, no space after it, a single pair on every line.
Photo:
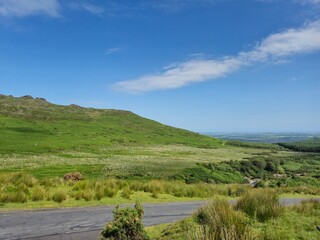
[59,196]
[74,176]
[127,225]
[262,205]
[218,220]
[260,184]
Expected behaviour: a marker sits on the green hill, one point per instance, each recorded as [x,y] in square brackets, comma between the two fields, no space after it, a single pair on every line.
[34,125]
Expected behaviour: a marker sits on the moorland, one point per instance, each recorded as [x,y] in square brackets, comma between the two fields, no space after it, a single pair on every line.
[123,158]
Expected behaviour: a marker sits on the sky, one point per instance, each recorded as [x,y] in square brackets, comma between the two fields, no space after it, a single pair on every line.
[202,65]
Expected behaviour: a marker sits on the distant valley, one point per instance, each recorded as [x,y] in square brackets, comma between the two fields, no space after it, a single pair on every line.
[265,137]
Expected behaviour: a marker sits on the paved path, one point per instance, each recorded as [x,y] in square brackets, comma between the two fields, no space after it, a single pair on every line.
[86,223]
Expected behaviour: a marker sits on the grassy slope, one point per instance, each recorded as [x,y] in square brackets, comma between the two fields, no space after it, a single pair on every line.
[49,140]
[37,126]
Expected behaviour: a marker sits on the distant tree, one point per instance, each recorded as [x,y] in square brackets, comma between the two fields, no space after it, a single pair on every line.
[271,167]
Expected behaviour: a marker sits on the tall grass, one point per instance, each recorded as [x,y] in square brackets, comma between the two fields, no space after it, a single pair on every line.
[38,194]
[14,197]
[59,196]
[30,188]
[218,220]
[309,206]
[260,204]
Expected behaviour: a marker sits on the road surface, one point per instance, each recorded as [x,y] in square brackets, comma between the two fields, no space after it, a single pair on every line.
[86,223]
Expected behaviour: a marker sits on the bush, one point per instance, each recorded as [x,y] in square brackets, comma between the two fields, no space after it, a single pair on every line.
[74,176]
[218,220]
[127,225]
[59,196]
[261,205]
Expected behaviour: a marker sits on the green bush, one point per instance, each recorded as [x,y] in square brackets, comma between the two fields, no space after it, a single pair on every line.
[127,225]
[261,205]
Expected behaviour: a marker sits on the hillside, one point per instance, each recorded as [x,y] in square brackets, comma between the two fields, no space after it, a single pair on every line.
[30,124]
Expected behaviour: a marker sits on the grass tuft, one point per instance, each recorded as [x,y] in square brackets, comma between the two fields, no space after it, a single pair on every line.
[261,205]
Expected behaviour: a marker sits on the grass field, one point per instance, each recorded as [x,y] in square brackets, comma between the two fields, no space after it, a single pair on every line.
[123,161]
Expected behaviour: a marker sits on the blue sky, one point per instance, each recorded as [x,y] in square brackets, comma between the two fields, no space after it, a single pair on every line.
[203,65]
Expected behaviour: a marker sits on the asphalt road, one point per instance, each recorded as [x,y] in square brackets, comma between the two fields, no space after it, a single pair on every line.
[86,223]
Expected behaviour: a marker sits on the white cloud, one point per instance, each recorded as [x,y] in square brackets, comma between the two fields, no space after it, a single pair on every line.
[86,6]
[112,50]
[23,8]
[182,74]
[276,47]
[286,43]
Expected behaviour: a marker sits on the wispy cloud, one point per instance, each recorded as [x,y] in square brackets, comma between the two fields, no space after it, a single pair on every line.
[286,43]
[175,5]
[112,50]
[182,74]
[88,7]
[23,8]
[94,9]
[275,47]
[309,1]
[301,2]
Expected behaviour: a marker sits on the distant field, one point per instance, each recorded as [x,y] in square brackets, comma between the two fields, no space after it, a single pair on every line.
[266,137]
[130,162]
